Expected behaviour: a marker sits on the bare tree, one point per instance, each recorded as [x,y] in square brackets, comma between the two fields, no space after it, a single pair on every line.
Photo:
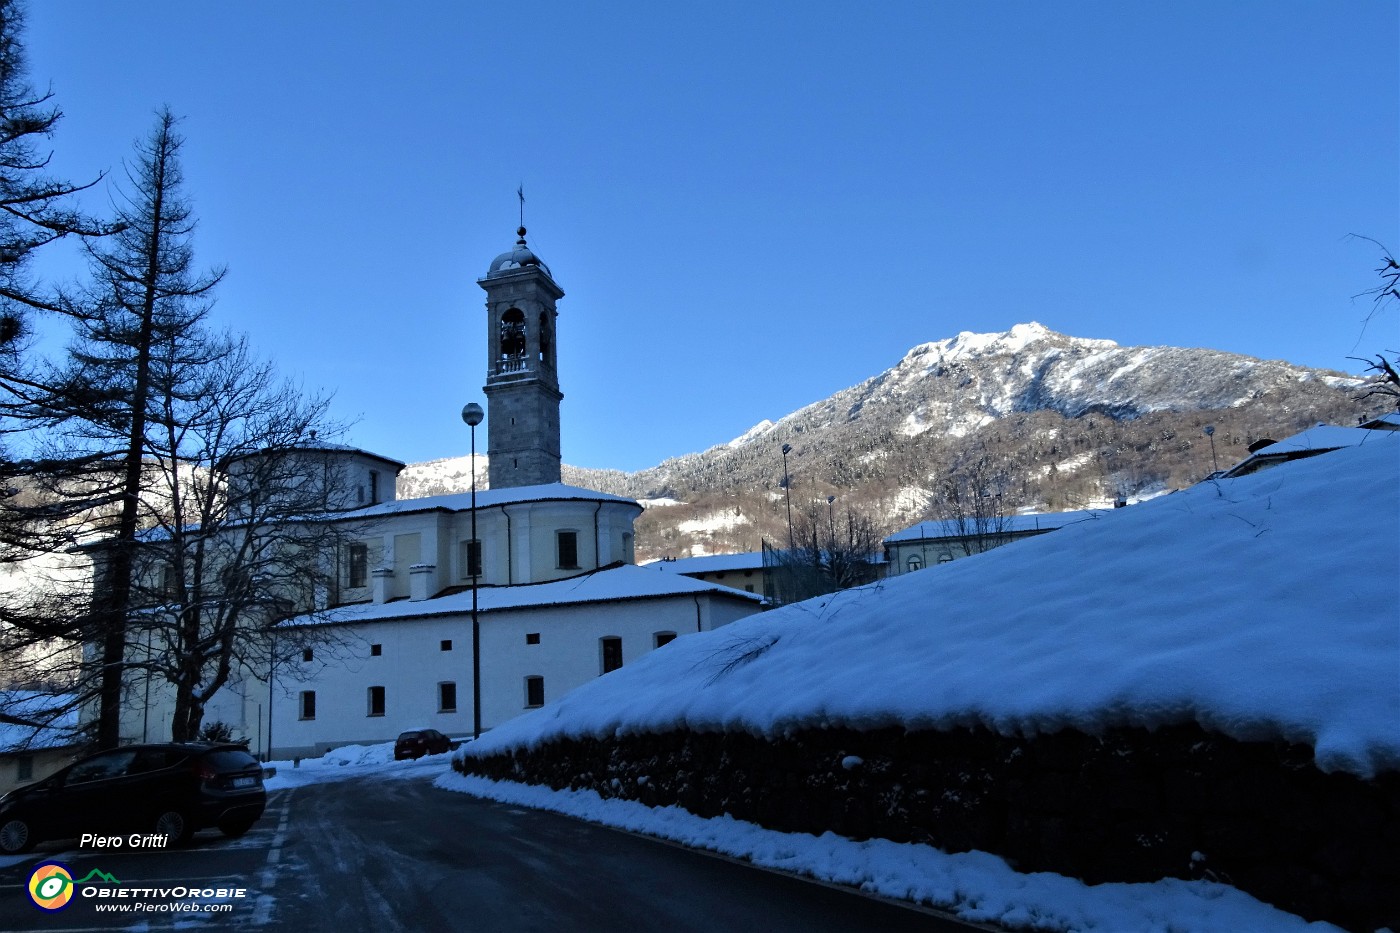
[973,500]
[831,551]
[1385,381]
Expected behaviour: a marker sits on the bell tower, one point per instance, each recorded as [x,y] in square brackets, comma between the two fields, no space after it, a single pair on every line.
[522,381]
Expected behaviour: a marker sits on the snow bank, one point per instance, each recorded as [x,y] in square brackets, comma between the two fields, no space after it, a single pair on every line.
[1263,607]
[976,886]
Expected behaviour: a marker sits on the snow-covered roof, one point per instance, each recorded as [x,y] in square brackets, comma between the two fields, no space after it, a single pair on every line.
[1268,609]
[1315,440]
[1006,524]
[711,563]
[313,443]
[30,721]
[611,584]
[488,498]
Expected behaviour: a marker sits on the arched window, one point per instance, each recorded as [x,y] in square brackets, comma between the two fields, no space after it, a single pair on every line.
[513,334]
[545,343]
[915,563]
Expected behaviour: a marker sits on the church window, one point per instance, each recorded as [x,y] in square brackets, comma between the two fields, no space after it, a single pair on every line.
[544,339]
[534,691]
[447,697]
[611,648]
[359,564]
[513,334]
[568,549]
[376,701]
[471,559]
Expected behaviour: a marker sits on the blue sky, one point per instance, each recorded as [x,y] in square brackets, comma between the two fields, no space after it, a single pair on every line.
[749,205]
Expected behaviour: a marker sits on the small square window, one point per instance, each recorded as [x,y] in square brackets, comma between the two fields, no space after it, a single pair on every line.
[376,650]
[532,638]
[445,645]
[306,654]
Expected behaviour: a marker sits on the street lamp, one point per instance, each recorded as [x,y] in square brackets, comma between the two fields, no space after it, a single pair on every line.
[1210,433]
[472,415]
[787,487]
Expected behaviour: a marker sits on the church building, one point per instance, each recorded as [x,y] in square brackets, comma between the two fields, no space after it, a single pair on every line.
[548,574]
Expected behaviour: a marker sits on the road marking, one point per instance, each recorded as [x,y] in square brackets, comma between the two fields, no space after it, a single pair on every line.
[263,915]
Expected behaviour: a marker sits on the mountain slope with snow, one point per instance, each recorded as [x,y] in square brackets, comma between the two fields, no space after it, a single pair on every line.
[1261,607]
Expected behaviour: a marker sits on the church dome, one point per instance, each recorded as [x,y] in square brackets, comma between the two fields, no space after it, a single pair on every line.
[517,259]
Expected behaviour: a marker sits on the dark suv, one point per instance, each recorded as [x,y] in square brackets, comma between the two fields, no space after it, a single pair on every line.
[170,789]
[420,742]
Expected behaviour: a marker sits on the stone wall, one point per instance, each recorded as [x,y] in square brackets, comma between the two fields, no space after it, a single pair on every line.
[1131,805]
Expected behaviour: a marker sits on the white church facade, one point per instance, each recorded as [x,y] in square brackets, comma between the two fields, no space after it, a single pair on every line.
[558,599]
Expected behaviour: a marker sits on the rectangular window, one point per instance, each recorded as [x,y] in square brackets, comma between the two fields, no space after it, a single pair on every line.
[534,691]
[373,487]
[170,581]
[359,564]
[568,549]
[308,704]
[376,701]
[471,559]
[376,650]
[447,698]
[24,768]
[445,645]
[532,638]
[612,653]
[306,654]
[664,638]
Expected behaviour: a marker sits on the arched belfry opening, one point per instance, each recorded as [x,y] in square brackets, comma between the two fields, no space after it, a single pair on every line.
[513,340]
[522,387]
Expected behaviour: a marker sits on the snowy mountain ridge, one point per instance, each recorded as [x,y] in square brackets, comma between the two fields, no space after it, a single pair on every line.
[1072,421]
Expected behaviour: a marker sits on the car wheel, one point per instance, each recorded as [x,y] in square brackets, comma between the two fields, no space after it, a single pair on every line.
[16,837]
[235,828]
[174,825]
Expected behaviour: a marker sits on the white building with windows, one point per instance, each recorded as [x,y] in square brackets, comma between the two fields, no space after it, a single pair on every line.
[558,600]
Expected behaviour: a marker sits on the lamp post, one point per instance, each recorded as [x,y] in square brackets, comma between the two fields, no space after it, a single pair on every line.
[1210,433]
[472,415]
[787,488]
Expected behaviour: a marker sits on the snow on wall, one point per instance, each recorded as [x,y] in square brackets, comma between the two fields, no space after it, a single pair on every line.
[1261,607]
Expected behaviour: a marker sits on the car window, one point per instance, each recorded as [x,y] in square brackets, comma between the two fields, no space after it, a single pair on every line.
[409,735]
[99,767]
[156,759]
[229,759]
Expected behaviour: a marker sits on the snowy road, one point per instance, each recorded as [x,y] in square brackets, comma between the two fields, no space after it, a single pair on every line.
[371,853]
[404,855]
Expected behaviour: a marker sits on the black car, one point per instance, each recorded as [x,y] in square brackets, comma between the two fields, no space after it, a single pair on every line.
[170,790]
[419,742]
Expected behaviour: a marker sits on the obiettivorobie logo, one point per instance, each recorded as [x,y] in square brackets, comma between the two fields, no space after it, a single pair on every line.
[51,885]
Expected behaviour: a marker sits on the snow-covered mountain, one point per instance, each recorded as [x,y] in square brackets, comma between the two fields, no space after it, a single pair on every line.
[1073,421]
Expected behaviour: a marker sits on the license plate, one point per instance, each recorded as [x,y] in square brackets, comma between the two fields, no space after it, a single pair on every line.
[244,781]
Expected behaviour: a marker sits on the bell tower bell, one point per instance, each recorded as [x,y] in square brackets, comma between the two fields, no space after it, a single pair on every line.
[522,380]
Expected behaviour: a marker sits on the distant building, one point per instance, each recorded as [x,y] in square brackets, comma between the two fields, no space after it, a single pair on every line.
[740,571]
[1320,439]
[34,742]
[943,541]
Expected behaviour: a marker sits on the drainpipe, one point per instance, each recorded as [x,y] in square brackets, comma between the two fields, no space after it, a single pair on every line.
[597,546]
[697,613]
[510,555]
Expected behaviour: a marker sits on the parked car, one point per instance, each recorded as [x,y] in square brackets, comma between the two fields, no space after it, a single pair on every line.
[419,742]
[168,789]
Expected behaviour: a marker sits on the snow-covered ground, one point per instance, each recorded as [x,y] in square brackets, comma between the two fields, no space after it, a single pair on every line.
[974,885]
[1261,607]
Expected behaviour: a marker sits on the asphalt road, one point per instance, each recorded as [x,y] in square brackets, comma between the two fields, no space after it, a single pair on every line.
[385,855]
